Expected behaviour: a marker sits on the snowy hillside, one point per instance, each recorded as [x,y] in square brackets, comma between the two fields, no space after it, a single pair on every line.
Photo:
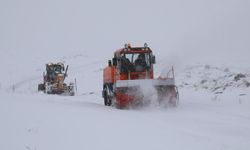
[222,83]
[214,79]
[207,42]
[32,120]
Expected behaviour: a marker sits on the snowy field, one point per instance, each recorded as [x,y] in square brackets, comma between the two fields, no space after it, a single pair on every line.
[207,42]
[51,122]
[203,119]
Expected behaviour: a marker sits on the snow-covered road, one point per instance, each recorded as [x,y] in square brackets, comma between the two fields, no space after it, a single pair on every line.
[37,121]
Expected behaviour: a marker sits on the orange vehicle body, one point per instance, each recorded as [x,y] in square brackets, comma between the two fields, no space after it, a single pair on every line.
[123,70]
[109,74]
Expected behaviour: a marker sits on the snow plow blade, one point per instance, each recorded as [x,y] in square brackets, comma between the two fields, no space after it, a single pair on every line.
[131,92]
[148,82]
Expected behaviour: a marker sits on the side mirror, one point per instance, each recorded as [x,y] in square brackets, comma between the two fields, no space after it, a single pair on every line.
[114,61]
[153,59]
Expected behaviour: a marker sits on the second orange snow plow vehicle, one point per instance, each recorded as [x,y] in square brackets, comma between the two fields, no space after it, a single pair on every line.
[129,73]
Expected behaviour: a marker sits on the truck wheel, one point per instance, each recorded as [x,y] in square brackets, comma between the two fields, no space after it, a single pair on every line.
[72,94]
[71,90]
[106,97]
[47,88]
[41,87]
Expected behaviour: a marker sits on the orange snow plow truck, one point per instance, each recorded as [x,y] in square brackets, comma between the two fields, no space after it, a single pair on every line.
[130,71]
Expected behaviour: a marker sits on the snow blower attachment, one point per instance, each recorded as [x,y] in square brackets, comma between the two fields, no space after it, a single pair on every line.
[53,80]
[131,71]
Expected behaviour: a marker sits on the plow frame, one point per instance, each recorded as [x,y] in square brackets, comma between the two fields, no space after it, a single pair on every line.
[126,91]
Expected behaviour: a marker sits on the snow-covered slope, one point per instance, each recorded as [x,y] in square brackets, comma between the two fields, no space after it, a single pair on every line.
[32,120]
[222,83]
[214,109]
[214,79]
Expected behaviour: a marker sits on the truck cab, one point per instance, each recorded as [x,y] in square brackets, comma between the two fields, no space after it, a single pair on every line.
[134,63]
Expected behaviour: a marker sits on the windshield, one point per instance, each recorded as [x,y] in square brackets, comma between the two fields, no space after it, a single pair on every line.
[133,58]
[57,69]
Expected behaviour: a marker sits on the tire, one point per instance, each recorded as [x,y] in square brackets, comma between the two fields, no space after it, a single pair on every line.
[47,88]
[71,90]
[109,102]
[41,87]
[106,97]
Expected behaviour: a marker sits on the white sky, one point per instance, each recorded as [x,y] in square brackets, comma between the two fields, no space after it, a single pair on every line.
[186,29]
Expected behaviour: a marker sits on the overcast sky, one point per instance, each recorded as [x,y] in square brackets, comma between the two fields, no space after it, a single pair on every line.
[185,29]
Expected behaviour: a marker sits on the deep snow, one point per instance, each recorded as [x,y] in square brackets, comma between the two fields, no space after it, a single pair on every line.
[203,120]
[214,108]
[37,121]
